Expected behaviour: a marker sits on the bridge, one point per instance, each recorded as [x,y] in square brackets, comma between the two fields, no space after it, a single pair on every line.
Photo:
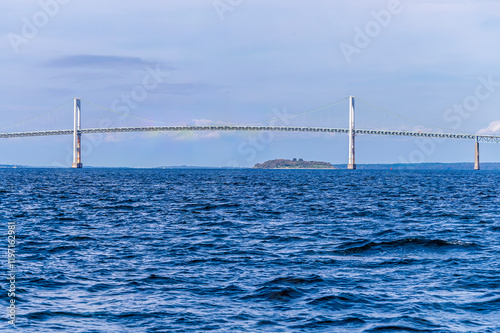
[351,131]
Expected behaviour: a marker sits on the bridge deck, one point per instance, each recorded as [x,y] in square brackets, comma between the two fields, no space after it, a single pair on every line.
[480,138]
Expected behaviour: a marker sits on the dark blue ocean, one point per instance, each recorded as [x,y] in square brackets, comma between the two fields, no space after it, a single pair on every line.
[125,250]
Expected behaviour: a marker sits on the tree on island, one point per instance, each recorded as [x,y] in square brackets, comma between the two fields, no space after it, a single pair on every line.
[293,164]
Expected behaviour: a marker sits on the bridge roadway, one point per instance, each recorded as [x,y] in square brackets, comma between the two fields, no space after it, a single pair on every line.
[479,138]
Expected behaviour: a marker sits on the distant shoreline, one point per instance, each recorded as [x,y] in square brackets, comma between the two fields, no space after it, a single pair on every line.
[293,168]
[380,166]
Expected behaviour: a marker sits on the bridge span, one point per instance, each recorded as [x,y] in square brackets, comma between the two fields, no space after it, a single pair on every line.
[77,131]
[480,138]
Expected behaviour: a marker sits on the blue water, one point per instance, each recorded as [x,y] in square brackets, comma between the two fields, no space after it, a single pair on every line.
[118,250]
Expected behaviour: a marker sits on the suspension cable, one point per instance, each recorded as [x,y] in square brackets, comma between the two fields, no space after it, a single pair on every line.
[254,123]
[301,113]
[37,116]
[409,119]
[123,114]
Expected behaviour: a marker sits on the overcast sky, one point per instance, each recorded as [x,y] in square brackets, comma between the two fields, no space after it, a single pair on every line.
[249,61]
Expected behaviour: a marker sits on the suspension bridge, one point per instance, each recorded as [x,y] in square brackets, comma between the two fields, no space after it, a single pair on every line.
[351,131]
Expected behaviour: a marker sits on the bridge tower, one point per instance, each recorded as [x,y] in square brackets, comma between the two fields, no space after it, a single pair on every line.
[352,163]
[77,136]
[476,160]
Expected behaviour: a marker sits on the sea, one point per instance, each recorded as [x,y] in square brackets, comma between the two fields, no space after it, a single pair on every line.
[245,250]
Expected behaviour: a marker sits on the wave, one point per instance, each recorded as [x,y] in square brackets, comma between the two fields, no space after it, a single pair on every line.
[293,280]
[341,301]
[324,323]
[406,244]
[275,293]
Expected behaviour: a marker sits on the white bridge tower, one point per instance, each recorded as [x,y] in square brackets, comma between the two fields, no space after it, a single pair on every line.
[77,136]
[352,163]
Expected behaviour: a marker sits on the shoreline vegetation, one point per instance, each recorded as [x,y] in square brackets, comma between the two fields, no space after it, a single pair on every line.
[293,164]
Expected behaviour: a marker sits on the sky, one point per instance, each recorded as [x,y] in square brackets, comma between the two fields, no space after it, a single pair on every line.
[432,62]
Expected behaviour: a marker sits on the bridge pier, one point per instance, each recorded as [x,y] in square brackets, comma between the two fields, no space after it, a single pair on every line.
[77,137]
[352,164]
[476,160]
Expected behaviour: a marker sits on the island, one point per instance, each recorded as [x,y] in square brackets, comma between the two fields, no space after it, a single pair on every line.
[293,164]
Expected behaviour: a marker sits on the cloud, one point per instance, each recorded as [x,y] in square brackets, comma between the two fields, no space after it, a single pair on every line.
[182,89]
[206,122]
[492,23]
[493,128]
[98,61]
[193,135]
[197,135]
[425,129]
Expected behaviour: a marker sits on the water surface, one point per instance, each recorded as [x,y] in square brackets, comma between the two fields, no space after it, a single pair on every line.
[121,250]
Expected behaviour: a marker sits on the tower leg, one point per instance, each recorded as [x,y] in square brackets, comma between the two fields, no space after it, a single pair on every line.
[77,137]
[476,160]
[352,163]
